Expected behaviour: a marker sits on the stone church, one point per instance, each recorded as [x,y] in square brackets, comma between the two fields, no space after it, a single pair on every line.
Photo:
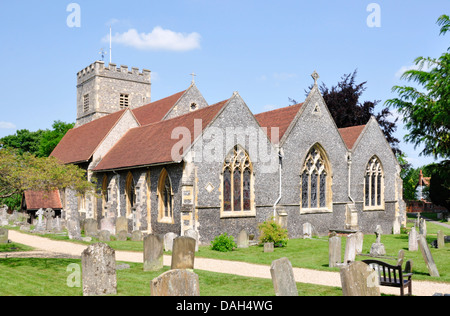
[179,163]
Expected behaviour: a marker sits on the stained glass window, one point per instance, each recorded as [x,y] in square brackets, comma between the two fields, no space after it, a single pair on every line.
[314,181]
[237,181]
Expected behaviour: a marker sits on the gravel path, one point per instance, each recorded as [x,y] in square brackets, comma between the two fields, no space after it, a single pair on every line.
[61,248]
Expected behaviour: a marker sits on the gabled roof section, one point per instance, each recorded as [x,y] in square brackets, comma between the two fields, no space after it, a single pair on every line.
[153,144]
[79,144]
[40,199]
[280,118]
[156,111]
[351,134]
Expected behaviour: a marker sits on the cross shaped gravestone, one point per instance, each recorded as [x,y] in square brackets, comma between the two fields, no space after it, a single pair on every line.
[40,223]
[49,214]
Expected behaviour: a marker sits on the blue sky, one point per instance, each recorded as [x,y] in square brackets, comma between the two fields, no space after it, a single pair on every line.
[266,50]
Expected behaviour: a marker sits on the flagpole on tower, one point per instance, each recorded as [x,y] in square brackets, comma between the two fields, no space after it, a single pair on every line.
[110,44]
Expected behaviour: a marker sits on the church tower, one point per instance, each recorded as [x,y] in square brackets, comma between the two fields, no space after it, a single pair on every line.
[104,90]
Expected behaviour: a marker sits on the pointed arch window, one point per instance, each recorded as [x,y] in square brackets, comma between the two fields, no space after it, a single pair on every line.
[374,185]
[315,183]
[165,198]
[130,194]
[105,194]
[237,184]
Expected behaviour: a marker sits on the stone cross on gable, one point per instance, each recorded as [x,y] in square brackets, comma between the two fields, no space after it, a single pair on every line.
[315,76]
[193,77]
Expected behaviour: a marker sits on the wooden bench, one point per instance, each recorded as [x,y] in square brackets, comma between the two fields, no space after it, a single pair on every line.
[393,276]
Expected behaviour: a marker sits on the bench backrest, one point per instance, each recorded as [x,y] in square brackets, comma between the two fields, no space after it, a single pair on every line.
[388,274]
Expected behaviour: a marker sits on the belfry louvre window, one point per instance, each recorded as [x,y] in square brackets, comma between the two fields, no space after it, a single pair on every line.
[86,103]
[124,100]
[373,185]
[237,184]
[315,182]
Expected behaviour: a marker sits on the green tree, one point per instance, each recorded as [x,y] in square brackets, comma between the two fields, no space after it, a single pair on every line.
[23,140]
[426,111]
[51,138]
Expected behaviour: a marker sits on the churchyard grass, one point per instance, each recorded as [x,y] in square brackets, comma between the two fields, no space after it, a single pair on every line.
[48,277]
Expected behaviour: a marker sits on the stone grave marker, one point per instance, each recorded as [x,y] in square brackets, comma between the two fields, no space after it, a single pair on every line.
[137,235]
[91,227]
[122,235]
[183,253]
[74,229]
[359,241]
[104,236]
[40,224]
[350,249]
[440,239]
[107,223]
[153,252]
[334,251]
[242,239]
[423,227]
[3,235]
[426,254]
[121,224]
[307,231]
[168,241]
[269,247]
[413,240]
[283,278]
[193,234]
[177,282]
[359,279]
[49,214]
[377,248]
[99,270]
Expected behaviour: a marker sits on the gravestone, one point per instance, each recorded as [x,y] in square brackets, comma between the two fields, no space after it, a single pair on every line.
[107,223]
[49,214]
[176,283]
[269,247]
[122,235]
[423,227]
[183,253]
[137,235]
[426,254]
[91,227]
[377,248]
[40,224]
[307,231]
[3,235]
[283,278]
[350,249]
[359,241]
[104,236]
[242,240]
[74,229]
[440,239]
[168,241]
[99,270]
[359,279]
[153,252]
[121,224]
[57,226]
[193,234]
[3,213]
[334,251]
[412,240]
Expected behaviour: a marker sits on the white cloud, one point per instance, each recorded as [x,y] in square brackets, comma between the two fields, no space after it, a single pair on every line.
[158,39]
[7,125]
[402,70]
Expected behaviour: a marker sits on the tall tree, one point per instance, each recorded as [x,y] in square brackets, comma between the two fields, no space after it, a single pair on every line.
[51,138]
[426,110]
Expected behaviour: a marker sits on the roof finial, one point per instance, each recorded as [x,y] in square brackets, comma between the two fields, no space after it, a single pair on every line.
[193,77]
[315,76]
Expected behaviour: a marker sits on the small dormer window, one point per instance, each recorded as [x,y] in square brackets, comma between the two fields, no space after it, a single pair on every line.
[194,106]
[86,103]
[124,100]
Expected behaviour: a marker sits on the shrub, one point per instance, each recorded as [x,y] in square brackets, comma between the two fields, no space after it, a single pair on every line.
[223,243]
[271,231]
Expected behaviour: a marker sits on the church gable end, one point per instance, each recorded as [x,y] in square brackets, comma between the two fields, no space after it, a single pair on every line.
[192,100]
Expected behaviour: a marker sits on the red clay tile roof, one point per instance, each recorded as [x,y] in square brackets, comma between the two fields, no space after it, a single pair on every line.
[79,144]
[155,111]
[41,199]
[351,134]
[280,118]
[153,143]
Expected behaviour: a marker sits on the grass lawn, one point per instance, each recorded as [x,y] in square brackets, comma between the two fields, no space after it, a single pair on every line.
[48,277]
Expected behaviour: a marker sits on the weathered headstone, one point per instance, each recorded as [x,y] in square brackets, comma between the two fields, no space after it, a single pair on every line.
[99,270]
[423,227]
[121,224]
[153,252]
[359,279]
[107,223]
[91,227]
[168,241]
[412,240]
[137,235]
[40,224]
[377,248]
[122,235]
[334,251]
[74,229]
[3,235]
[104,236]
[440,239]
[283,278]
[426,254]
[307,231]
[242,239]
[183,253]
[49,214]
[193,234]
[178,282]
[57,226]
[350,249]
[359,241]
[269,247]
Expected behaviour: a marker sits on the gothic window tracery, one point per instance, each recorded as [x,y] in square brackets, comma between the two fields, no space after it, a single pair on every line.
[374,187]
